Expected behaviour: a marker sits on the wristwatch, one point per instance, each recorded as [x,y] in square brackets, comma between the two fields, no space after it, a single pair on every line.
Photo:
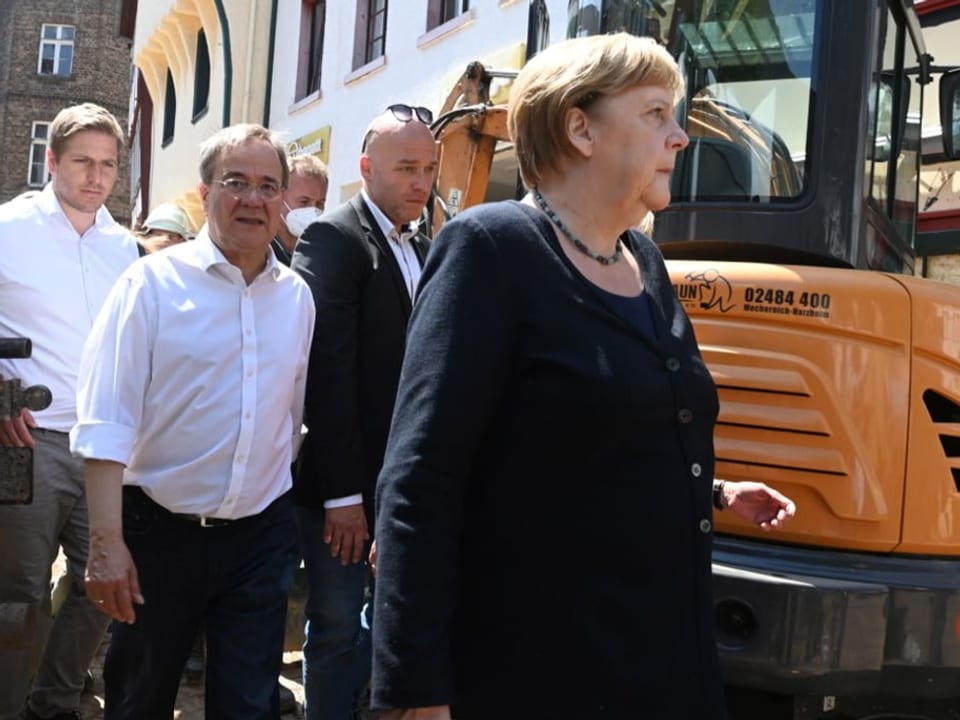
[718,494]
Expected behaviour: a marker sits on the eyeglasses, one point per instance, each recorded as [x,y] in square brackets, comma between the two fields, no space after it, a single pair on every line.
[243,190]
[405,113]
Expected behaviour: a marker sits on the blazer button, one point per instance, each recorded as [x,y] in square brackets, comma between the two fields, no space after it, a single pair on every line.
[705,526]
[685,415]
[695,469]
[673,364]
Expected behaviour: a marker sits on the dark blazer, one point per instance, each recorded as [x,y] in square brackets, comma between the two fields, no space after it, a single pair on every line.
[363,308]
[544,509]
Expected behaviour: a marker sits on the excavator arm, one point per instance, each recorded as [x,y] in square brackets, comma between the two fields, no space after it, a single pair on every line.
[467,132]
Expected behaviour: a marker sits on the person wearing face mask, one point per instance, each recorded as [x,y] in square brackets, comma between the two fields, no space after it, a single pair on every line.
[303,202]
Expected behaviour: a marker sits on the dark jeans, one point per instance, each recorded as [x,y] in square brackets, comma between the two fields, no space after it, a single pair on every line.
[234,579]
[336,654]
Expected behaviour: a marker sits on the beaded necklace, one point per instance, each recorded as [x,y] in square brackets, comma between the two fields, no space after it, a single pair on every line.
[577,242]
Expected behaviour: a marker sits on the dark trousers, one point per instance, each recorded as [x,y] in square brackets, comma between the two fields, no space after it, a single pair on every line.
[235,580]
[337,651]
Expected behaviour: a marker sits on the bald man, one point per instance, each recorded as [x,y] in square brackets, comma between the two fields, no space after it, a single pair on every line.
[362,262]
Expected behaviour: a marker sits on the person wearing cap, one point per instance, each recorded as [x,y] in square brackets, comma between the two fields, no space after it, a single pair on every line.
[303,201]
[166,225]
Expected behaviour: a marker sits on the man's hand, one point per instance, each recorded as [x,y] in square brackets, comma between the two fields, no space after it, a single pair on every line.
[345,531]
[111,577]
[15,432]
[758,503]
[438,712]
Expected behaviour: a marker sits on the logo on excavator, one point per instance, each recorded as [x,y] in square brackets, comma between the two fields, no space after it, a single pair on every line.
[706,290]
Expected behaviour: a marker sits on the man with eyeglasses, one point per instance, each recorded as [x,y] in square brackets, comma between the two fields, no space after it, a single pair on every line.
[362,262]
[189,410]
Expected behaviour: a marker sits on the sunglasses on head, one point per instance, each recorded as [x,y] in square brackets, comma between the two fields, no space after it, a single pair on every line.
[405,113]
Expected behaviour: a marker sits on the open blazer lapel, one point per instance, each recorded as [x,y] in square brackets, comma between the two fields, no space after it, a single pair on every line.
[382,252]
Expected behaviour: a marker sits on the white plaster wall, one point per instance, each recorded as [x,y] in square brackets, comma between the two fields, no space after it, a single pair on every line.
[411,74]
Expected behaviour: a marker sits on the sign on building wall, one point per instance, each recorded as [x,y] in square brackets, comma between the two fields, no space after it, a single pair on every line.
[315,143]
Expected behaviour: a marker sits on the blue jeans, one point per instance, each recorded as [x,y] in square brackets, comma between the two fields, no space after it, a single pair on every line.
[336,654]
[234,579]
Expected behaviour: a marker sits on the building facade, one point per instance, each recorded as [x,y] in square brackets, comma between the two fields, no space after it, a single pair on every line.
[200,65]
[54,54]
[338,64]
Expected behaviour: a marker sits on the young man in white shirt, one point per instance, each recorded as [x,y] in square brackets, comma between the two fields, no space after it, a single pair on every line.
[189,402]
[60,252]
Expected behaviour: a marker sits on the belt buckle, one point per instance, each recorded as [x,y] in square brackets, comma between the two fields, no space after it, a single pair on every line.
[209,522]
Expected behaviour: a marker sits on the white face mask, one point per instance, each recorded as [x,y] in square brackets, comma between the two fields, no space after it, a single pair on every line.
[298,219]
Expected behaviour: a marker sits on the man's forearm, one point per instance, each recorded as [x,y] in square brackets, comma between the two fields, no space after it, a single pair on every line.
[104,480]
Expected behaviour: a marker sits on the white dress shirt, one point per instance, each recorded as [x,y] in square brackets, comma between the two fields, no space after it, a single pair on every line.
[195,380]
[52,284]
[400,243]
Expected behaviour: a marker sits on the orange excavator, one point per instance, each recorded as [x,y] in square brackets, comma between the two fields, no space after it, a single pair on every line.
[790,242]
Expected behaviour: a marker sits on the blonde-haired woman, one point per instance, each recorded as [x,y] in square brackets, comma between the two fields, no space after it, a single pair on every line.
[545,508]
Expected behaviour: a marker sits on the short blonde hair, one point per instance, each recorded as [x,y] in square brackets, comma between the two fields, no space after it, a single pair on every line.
[572,74]
[80,118]
[308,166]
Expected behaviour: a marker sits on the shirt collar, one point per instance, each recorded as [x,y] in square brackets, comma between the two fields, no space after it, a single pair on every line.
[49,204]
[386,227]
[209,255]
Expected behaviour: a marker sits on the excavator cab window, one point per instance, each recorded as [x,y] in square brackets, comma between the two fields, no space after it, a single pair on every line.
[749,91]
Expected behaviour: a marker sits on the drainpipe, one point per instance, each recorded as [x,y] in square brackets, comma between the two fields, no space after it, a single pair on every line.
[227,62]
[268,93]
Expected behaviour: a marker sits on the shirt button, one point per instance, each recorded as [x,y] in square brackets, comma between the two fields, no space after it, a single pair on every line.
[695,469]
[249,373]
[248,415]
[673,364]
[240,459]
[705,526]
[248,331]
[685,415]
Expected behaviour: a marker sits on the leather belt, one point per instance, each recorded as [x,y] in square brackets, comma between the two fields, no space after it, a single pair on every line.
[203,521]
[135,491]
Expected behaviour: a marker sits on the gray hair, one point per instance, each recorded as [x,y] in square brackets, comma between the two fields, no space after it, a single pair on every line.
[233,136]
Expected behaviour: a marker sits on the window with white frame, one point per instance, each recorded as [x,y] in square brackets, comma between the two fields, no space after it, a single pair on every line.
[39,142]
[56,50]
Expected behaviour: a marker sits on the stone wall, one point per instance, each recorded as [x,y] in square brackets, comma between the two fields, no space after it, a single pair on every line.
[945,268]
